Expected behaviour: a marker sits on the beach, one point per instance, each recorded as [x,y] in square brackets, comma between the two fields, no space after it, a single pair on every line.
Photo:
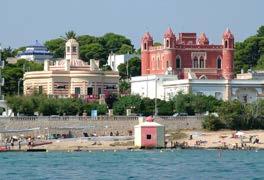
[225,139]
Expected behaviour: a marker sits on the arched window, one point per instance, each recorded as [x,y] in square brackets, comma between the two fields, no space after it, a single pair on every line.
[219,63]
[167,64]
[145,46]
[158,63]
[195,62]
[225,43]
[167,43]
[178,62]
[201,62]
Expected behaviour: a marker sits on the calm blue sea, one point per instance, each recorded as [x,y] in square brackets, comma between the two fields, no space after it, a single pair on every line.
[152,164]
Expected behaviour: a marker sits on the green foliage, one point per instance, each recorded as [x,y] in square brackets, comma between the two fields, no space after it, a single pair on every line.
[124,87]
[101,108]
[70,35]
[92,47]
[93,51]
[113,42]
[125,49]
[148,106]
[165,108]
[212,123]
[249,52]
[194,104]
[133,67]
[56,46]
[231,114]
[27,105]
[110,100]
[13,74]
[132,102]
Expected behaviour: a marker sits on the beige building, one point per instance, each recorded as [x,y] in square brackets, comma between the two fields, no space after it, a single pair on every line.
[71,77]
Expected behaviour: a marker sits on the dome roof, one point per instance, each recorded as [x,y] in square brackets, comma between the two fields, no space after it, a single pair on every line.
[203,39]
[169,33]
[147,36]
[228,34]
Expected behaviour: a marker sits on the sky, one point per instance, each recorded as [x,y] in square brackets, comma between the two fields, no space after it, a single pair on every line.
[24,21]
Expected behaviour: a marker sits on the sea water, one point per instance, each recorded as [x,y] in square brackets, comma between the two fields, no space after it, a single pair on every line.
[146,164]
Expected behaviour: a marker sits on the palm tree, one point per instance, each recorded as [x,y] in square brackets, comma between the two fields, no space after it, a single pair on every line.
[69,35]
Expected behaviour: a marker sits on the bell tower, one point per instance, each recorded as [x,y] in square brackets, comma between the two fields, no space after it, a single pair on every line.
[72,49]
[146,43]
[228,55]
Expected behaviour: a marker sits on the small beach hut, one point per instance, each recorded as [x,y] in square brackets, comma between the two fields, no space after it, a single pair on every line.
[149,134]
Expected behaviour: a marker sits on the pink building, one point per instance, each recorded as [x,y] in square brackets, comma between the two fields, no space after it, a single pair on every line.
[185,53]
[149,134]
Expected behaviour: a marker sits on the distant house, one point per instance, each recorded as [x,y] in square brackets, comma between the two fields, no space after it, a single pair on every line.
[115,60]
[71,77]
[36,52]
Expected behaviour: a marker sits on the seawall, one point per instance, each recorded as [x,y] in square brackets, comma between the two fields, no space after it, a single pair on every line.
[101,125]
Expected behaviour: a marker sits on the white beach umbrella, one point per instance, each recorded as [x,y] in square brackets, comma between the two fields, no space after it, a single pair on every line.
[240,133]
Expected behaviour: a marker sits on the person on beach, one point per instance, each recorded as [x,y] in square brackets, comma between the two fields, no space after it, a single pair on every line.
[117,133]
[19,144]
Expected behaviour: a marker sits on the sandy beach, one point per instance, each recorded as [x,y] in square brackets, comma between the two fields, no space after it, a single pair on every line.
[223,139]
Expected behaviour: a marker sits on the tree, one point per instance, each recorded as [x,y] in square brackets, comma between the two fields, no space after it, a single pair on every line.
[110,100]
[133,68]
[93,51]
[165,108]
[249,52]
[124,87]
[7,52]
[212,123]
[260,31]
[231,113]
[125,49]
[132,102]
[56,46]
[101,108]
[70,35]
[147,106]
[13,74]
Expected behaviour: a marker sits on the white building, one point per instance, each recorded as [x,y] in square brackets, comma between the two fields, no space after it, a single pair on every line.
[246,89]
[36,52]
[115,60]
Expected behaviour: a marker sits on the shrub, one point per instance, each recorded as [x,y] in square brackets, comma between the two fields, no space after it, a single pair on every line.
[212,123]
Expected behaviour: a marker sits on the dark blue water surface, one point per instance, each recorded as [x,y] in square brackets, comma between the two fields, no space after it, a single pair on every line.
[153,164]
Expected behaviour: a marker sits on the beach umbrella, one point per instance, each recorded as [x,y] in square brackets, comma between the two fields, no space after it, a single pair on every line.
[240,133]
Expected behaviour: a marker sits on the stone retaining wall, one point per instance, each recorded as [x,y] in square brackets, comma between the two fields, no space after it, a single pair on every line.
[102,125]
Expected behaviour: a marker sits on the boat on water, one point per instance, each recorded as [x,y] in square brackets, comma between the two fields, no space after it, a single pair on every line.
[4,149]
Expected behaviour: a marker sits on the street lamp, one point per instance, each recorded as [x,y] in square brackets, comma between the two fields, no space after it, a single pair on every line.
[18,86]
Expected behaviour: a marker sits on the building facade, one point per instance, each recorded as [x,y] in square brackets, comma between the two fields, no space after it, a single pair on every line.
[71,77]
[166,87]
[114,60]
[36,52]
[185,64]
[183,54]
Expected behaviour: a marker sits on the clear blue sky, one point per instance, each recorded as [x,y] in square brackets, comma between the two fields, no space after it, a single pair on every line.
[23,22]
